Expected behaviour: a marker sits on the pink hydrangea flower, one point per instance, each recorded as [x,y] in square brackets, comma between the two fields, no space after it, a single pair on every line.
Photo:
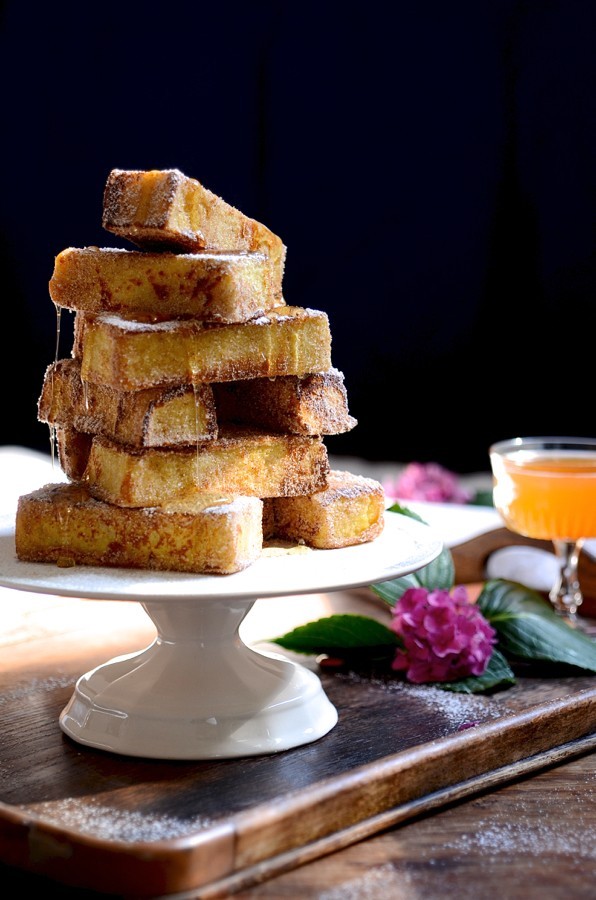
[445,637]
[428,481]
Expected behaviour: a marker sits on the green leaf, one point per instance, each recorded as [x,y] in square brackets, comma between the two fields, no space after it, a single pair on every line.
[528,627]
[483,498]
[437,575]
[391,591]
[498,672]
[344,635]
[404,511]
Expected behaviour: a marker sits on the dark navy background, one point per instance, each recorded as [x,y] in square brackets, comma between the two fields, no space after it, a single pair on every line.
[429,165]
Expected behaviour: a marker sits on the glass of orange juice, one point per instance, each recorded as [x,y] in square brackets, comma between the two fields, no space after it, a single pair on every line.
[545,488]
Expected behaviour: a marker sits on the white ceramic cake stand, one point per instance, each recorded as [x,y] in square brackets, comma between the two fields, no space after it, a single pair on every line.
[198,691]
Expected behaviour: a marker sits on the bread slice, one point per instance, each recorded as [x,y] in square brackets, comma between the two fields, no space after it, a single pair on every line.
[164,209]
[132,355]
[62,523]
[242,461]
[72,448]
[349,511]
[298,404]
[154,417]
[212,287]
[184,414]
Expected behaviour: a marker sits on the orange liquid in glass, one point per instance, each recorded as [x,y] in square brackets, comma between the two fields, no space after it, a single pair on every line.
[547,495]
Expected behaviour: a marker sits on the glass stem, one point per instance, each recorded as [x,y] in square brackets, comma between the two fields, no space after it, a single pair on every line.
[566,595]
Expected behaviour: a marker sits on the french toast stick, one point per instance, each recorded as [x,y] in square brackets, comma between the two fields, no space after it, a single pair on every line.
[154,417]
[73,448]
[155,287]
[349,510]
[62,523]
[133,355]
[241,461]
[313,404]
[299,404]
[165,209]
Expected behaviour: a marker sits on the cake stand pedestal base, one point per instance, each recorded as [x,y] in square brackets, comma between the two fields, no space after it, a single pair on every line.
[198,691]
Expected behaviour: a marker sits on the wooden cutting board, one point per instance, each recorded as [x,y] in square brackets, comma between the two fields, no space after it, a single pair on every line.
[147,828]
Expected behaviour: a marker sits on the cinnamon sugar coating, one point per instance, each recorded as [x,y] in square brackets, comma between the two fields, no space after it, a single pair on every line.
[190,416]
[72,448]
[349,510]
[155,287]
[241,461]
[154,417]
[64,524]
[133,355]
[316,403]
[167,210]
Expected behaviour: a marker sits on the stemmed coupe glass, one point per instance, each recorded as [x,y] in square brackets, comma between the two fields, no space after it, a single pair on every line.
[545,488]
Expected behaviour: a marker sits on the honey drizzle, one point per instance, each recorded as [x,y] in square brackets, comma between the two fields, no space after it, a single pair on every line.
[52,428]
[195,392]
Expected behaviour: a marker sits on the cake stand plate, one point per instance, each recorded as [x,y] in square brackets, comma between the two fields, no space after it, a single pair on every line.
[198,691]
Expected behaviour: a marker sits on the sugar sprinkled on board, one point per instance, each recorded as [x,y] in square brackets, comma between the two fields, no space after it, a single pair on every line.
[47,685]
[460,710]
[110,823]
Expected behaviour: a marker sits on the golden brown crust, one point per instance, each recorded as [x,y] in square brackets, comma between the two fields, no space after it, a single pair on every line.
[299,404]
[189,418]
[242,461]
[73,448]
[166,210]
[132,356]
[62,523]
[349,510]
[154,417]
[155,287]
[150,206]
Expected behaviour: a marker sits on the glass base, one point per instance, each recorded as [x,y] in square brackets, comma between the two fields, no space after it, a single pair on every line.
[566,596]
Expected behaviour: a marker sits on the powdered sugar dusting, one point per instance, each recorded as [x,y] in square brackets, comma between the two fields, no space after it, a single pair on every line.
[115,321]
[535,828]
[459,710]
[342,484]
[375,884]
[216,256]
[109,823]
[530,836]
[47,685]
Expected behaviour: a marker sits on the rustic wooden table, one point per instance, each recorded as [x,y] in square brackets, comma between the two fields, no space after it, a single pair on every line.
[533,838]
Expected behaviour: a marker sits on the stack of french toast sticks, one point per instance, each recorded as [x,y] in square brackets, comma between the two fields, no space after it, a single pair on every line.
[190,417]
